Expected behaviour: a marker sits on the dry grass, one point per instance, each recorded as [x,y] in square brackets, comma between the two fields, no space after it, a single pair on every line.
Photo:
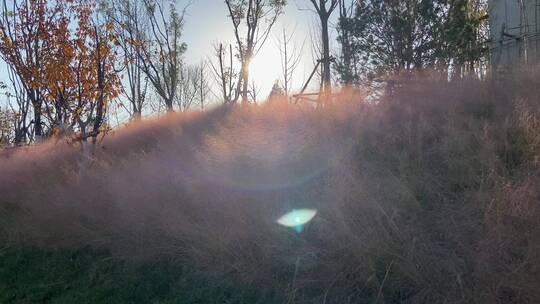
[429,196]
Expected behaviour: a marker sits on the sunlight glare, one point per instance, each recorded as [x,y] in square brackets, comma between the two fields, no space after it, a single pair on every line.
[265,70]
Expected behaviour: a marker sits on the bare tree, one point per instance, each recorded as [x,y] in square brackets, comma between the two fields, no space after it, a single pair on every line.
[161,53]
[254,91]
[130,27]
[254,19]
[187,87]
[316,51]
[202,84]
[225,73]
[290,58]
[324,9]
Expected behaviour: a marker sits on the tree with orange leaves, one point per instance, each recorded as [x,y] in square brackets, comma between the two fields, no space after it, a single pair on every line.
[65,58]
[24,27]
[96,80]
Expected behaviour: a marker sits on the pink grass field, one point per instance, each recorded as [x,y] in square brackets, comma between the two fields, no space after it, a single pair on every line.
[429,195]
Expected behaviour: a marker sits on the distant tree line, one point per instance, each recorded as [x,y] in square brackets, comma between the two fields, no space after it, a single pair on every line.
[71,64]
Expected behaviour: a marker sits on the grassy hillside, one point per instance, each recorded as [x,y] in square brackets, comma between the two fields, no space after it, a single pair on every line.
[430,195]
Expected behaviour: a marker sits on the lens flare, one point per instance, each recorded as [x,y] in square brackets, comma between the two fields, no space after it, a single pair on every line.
[297,218]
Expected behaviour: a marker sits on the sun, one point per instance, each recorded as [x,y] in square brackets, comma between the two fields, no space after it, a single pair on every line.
[265,69]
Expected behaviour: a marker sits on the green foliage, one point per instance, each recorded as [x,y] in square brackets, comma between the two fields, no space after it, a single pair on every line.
[31,275]
[402,35]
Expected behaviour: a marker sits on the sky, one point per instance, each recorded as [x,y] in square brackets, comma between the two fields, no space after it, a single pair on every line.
[207,22]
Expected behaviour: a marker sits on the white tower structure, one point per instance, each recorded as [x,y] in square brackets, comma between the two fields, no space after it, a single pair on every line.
[514,32]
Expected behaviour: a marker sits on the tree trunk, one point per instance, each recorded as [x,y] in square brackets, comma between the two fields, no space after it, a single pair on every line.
[223,78]
[137,115]
[201,89]
[327,84]
[346,51]
[169,105]
[245,82]
[38,130]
